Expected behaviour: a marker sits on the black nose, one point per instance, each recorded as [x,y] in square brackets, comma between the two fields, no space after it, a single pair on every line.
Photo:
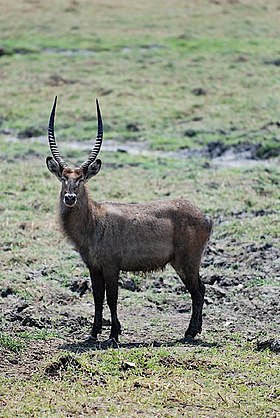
[70,199]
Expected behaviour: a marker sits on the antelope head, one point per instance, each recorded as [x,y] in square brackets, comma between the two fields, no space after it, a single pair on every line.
[72,179]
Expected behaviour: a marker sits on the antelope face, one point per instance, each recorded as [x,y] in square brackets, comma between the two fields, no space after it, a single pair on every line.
[72,180]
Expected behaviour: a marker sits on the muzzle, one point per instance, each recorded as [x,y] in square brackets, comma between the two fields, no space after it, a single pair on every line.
[70,199]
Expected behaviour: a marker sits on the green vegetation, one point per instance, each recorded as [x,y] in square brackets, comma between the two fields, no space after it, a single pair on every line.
[183,70]
[13,344]
[150,381]
[194,86]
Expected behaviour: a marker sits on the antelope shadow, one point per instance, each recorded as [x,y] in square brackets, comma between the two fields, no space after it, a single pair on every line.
[90,344]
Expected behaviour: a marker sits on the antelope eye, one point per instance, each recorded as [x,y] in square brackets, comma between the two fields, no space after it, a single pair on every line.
[64,179]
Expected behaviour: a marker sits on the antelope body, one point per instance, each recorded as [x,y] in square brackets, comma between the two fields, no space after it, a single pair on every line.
[111,237]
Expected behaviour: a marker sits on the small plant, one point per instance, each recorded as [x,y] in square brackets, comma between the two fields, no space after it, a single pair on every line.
[11,343]
[41,334]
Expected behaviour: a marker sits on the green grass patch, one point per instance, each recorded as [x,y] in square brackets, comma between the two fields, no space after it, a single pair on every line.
[41,334]
[234,382]
[11,343]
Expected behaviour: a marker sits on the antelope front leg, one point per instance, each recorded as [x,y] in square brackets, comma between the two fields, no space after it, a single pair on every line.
[98,290]
[111,281]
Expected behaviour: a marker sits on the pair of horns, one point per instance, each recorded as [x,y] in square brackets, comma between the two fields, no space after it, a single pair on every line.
[95,150]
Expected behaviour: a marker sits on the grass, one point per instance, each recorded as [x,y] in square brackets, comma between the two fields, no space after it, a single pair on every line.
[214,382]
[171,79]
[11,343]
[166,55]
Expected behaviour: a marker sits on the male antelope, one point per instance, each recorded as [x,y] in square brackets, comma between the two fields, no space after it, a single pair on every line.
[111,237]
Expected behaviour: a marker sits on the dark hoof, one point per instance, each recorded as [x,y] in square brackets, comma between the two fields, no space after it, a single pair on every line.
[189,339]
[91,340]
[192,332]
[111,343]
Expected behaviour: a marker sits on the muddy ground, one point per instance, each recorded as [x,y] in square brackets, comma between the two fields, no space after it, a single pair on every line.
[153,310]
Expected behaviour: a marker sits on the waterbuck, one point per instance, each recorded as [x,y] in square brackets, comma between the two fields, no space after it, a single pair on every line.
[111,237]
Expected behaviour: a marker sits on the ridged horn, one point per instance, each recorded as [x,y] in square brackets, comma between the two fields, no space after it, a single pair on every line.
[52,142]
[98,141]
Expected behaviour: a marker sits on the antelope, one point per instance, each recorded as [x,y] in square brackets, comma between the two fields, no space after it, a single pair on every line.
[112,237]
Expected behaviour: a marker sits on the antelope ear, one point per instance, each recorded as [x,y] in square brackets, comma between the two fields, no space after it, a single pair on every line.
[93,169]
[54,168]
